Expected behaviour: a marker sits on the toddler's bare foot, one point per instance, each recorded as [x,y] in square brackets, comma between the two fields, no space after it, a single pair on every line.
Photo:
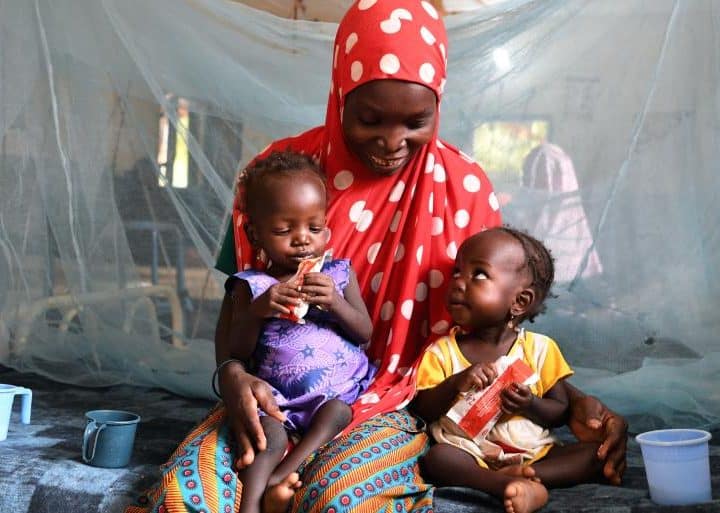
[519,471]
[277,497]
[524,496]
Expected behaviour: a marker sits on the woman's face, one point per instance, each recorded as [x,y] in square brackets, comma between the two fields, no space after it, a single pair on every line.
[385,122]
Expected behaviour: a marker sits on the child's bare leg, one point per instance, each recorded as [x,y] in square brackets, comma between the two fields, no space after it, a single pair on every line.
[254,477]
[569,465]
[446,465]
[525,471]
[328,421]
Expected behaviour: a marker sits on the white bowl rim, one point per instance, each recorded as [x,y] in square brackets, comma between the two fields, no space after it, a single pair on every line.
[702,436]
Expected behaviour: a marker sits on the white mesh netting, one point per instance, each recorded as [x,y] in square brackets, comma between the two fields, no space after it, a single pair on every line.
[122,124]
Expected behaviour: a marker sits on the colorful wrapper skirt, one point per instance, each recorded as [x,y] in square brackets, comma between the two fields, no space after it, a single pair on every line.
[372,468]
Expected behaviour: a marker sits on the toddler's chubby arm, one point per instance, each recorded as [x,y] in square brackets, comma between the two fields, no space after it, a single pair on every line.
[551,410]
[434,402]
[349,310]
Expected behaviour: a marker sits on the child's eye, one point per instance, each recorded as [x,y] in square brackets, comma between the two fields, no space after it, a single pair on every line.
[280,232]
[317,229]
[479,275]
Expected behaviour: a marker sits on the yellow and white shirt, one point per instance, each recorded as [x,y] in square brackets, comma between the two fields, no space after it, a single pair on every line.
[530,441]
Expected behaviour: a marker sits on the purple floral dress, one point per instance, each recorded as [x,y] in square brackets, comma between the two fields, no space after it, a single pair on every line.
[308,364]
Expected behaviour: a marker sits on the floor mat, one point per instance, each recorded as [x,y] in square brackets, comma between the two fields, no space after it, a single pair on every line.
[41,470]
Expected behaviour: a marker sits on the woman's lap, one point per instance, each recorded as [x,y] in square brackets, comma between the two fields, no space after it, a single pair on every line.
[372,468]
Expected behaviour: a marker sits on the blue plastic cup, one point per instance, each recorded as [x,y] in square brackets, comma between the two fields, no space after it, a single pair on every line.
[109,437]
[7,396]
[677,465]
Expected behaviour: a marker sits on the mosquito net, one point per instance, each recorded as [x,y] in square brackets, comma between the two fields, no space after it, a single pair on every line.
[123,122]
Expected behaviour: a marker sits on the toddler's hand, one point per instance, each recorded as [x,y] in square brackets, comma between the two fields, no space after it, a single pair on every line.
[319,289]
[277,299]
[516,398]
[477,376]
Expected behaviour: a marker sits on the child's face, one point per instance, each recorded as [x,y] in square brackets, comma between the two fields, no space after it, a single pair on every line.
[290,224]
[490,270]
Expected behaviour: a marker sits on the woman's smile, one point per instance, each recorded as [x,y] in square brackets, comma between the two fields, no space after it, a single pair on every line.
[387,165]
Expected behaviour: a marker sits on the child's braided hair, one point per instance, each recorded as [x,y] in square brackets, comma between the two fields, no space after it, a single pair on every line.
[540,262]
[276,164]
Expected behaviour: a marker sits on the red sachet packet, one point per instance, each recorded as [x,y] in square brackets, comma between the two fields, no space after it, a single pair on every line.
[477,411]
[311,265]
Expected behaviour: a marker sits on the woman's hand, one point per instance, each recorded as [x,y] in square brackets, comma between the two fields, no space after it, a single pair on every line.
[276,299]
[243,394]
[477,376]
[516,398]
[592,421]
[319,289]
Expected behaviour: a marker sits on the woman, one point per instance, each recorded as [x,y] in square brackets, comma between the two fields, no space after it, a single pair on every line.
[401,201]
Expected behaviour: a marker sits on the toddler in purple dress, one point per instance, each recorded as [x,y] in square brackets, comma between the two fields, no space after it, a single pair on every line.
[316,369]
[308,364]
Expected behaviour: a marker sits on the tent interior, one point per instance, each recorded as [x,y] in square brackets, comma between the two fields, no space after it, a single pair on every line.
[123,125]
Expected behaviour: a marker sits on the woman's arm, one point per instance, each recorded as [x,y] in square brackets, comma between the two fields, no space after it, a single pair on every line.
[244,327]
[241,392]
[349,310]
[592,421]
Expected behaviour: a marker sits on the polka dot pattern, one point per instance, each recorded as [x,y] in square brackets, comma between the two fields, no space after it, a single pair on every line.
[406,308]
[391,26]
[399,252]
[427,36]
[351,40]
[366,4]
[343,179]
[427,72]
[372,252]
[421,292]
[387,311]
[452,250]
[430,9]
[493,202]
[376,282]
[430,163]
[437,226]
[436,278]
[356,211]
[471,183]
[389,63]
[394,360]
[395,223]
[356,71]
[440,327]
[462,218]
[397,192]
[366,219]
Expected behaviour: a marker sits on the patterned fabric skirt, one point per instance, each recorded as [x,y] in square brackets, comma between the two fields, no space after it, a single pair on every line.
[372,468]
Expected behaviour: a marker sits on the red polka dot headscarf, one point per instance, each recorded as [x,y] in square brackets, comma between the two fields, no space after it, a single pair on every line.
[402,40]
[402,231]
